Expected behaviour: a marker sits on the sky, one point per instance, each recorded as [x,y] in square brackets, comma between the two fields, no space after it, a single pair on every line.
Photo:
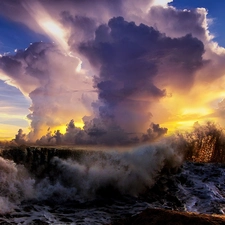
[215,13]
[109,72]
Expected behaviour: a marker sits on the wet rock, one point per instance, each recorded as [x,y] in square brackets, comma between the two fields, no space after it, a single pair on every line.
[169,217]
[66,220]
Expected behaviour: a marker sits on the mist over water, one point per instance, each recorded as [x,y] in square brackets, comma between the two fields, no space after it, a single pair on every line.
[55,184]
[50,184]
[82,178]
[116,77]
[16,185]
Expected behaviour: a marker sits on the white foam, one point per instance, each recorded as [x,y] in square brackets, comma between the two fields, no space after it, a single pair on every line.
[16,185]
[128,172]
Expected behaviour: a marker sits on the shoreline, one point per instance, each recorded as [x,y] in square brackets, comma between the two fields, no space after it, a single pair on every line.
[170,217]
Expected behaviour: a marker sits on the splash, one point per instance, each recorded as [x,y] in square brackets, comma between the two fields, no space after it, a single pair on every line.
[80,175]
[155,175]
[16,185]
[128,173]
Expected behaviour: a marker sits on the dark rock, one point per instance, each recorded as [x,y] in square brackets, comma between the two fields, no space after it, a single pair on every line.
[169,217]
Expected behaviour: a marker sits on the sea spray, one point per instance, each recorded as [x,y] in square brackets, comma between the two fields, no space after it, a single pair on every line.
[15,185]
[125,172]
[79,185]
[82,175]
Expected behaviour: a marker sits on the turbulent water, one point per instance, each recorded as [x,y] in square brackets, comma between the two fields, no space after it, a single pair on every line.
[80,186]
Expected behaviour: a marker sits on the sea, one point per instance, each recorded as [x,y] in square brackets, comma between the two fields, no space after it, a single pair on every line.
[99,185]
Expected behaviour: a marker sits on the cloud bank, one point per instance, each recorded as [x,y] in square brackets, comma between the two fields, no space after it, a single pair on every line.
[118,72]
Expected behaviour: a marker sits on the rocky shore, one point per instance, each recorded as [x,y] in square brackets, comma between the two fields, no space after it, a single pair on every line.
[169,217]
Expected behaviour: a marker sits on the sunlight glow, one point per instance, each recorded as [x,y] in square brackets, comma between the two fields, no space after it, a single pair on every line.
[54,31]
[8,131]
[78,69]
[62,128]
[180,111]
[201,111]
[47,23]
[79,124]
[179,126]
[161,2]
[53,28]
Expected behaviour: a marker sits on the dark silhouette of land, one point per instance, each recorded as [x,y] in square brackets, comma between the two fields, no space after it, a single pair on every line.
[169,217]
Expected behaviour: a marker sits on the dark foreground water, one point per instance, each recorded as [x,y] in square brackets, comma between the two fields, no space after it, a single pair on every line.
[71,186]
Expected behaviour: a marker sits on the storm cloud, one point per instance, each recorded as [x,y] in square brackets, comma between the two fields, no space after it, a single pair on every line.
[115,67]
[50,80]
[129,58]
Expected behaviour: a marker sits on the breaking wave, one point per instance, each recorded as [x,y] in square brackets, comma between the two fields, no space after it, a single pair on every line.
[16,185]
[83,184]
[81,176]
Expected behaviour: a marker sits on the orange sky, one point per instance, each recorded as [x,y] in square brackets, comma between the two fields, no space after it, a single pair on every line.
[179,109]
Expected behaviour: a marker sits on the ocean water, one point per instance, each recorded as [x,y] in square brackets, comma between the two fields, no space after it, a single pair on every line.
[53,185]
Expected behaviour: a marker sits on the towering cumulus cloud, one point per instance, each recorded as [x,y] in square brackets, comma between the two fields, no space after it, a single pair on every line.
[128,57]
[118,72]
[50,79]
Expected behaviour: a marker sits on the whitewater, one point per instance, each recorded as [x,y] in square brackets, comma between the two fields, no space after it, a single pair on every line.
[99,185]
